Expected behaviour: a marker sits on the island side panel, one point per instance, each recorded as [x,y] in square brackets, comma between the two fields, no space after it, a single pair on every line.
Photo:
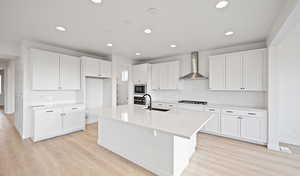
[183,151]
[149,149]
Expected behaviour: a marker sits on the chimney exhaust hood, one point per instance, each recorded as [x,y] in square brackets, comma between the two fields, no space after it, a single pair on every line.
[194,75]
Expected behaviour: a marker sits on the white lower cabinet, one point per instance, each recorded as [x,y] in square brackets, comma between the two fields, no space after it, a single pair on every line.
[246,125]
[47,123]
[230,125]
[250,128]
[73,119]
[52,122]
[213,125]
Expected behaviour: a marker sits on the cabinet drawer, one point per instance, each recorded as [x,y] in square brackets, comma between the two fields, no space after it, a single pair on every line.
[212,109]
[74,108]
[254,114]
[231,112]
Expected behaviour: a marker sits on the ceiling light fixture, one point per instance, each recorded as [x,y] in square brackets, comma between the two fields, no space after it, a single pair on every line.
[97,1]
[138,54]
[222,4]
[109,44]
[61,28]
[229,33]
[173,46]
[147,31]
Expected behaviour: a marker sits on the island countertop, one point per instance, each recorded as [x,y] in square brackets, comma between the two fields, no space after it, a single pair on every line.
[178,122]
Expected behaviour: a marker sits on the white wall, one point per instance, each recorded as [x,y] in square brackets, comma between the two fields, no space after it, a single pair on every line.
[281,49]
[198,90]
[9,50]
[10,87]
[289,88]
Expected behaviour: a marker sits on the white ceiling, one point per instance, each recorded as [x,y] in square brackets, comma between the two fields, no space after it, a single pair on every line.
[190,24]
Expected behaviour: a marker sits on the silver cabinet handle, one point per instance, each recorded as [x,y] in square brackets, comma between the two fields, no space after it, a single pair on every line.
[229,111]
[75,108]
[240,117]
[251,113]
[49,111]
[211,109]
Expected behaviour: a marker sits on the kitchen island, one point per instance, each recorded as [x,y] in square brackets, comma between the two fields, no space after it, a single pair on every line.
[161,142]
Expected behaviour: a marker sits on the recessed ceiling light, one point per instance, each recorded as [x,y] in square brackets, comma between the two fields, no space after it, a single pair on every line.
[138,54]
[147,31]
[228,33]
[173,46]
[109,44]
[222,4]
[97,1]
[61,28]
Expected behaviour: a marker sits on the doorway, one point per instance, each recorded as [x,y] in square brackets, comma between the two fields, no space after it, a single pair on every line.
[2,91]
[122,84]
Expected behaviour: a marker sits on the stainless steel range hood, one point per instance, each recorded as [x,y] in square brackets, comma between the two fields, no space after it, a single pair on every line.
[195,75]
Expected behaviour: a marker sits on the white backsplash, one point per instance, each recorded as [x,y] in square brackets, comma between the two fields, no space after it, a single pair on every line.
[198,90]
[53,97]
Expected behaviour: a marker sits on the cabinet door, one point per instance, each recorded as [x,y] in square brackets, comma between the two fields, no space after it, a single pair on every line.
[155,76]
[105,69]
[164,75]
[251,128]
[230,125]
[217,72]
[70,72]
[213,125]
[253,73]
[92,67]
[234,72]
[48,123]
[73,119]
[45,70]
[140,74]
[172,75]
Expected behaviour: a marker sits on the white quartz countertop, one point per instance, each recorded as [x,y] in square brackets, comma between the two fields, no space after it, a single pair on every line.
[178,122]
[58,105]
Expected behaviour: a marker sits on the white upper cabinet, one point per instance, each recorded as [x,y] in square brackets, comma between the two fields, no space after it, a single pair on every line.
[53,71]
[105,69]
[234,72]
[45,70]
[97,68]
[165,75]
[217,72]
[140,73]
[155,76]
[244,71]
[92,67]
[254,70]
[70,72]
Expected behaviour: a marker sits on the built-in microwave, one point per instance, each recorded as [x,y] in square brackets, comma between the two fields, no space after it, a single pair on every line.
[140,89]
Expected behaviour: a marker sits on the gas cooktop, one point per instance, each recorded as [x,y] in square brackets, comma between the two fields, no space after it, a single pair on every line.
[193,102]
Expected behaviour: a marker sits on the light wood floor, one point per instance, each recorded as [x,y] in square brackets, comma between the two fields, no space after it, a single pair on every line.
[78,155]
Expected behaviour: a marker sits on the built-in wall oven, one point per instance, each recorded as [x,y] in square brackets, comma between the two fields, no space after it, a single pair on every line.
[138,100]
[140,89]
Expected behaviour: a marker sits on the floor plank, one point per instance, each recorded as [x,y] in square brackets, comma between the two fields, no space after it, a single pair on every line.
[78,154]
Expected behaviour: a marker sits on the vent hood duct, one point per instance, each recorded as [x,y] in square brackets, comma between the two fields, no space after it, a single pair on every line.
[195,75]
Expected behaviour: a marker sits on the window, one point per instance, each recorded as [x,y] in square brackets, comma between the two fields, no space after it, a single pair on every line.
[125,75]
